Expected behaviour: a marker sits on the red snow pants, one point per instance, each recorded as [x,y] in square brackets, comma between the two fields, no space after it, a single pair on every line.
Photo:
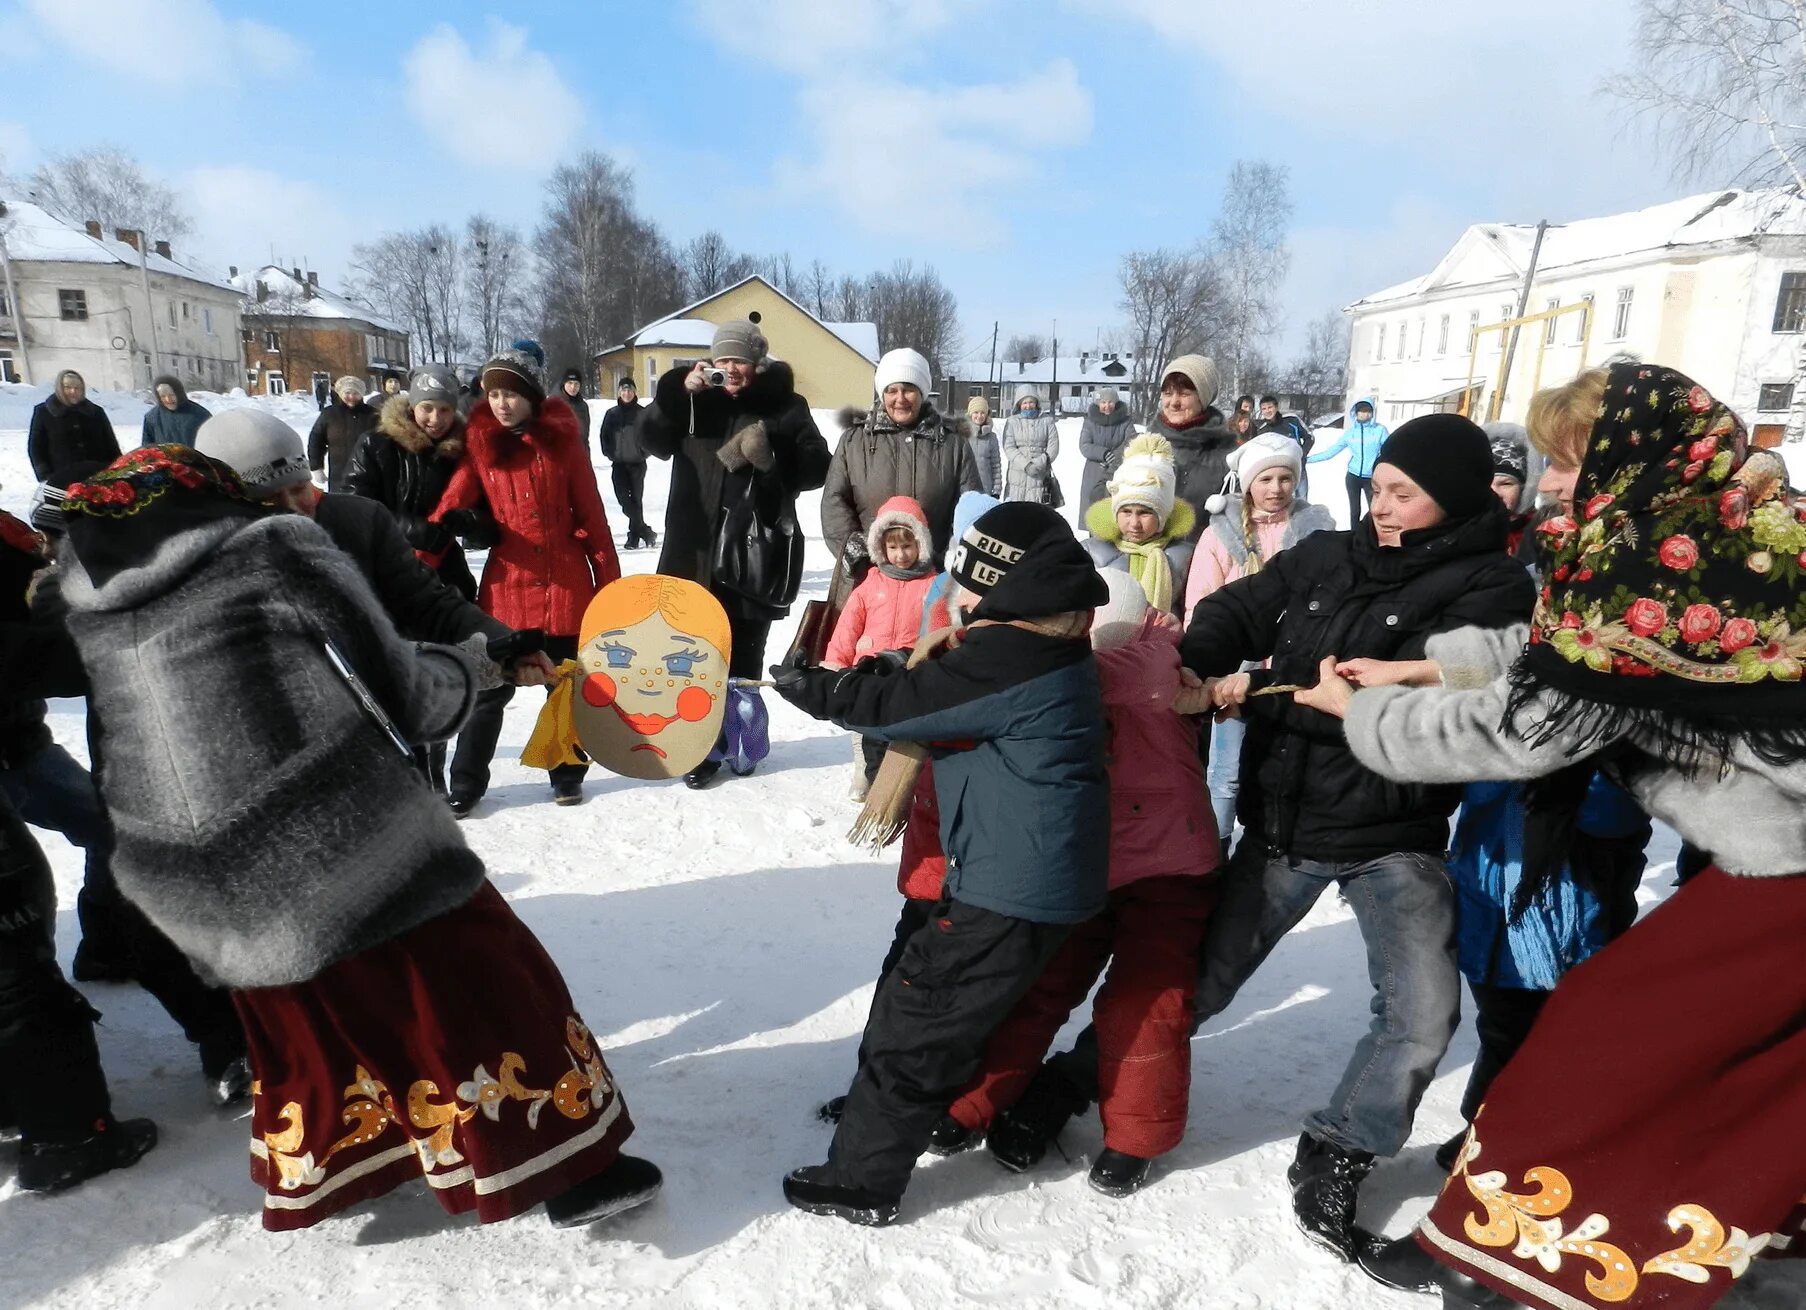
[1149,936]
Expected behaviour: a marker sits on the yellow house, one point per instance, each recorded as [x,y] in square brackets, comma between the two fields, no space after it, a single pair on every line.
[833,361]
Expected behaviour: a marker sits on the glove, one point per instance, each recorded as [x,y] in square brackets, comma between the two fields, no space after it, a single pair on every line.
[476,527]
[884,662]
[434,538]
[854,559]
[791,674]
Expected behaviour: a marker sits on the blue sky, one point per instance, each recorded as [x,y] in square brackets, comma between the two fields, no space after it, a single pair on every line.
[1019,146]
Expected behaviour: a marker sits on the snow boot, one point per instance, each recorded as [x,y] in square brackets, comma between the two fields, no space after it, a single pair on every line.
[58,1166]
[860,785]
[810,1189]
[1402,1264]
[1118,1174]
[567,791]
[462,802]
[1019,1137]
[703,774]
[829,1111]
[225,1066]
[94,964]
[950,1137]
[1450,1151]
[232,1085]
[1326,1181]
[625,1184]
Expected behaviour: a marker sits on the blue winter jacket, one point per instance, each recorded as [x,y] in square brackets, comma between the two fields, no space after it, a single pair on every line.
[1015,720]
[1486,862]
[1362,441]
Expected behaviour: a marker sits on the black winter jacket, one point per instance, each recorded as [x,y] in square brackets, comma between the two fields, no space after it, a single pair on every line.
[693,428]
[1101,440]
[421,607]
[1341,594]
[402,469]
[62,435]
[1200,463]
[334,437]
[620,435]
[579,407]
[27,651]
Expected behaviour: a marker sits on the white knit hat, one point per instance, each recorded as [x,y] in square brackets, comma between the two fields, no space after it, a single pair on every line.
[906,366]
[1145,477]
[1252,458]
[265,452]
[1115,622]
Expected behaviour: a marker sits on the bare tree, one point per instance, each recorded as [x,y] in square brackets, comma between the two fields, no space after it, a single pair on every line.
[818,286]
[1173,298]
[106,184]
[781,271]
[1319,374]
[1025,348]
[1731,95]
[913,308]
[417,278]
[1248,246]
[497,276]
[848,301]
[709,265]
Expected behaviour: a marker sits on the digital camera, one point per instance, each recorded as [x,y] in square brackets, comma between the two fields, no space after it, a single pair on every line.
[715,377]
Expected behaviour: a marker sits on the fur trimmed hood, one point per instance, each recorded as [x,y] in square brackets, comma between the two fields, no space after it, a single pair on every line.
[398,425]
[900,512]
[1100,522]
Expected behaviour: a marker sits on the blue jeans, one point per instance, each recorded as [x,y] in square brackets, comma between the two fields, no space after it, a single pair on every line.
[1405,906]
[51,791]
[1224,774]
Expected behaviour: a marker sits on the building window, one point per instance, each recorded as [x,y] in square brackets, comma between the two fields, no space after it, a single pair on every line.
[250,379]
[273,385]
[1404,330]
[1621,319]
[184,311]
[1790,305]
[6,307]
[1423,332]
[7,372]
[1549,306]
[1473,329]
[370,351]
[1379,351]
[1583,320]
[73,306]
[1442,337]
[172,313]
[272,341]
[1775,396]
[207,320]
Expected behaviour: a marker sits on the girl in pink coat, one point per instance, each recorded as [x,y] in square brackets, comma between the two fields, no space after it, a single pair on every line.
[885,611]
[1163,860]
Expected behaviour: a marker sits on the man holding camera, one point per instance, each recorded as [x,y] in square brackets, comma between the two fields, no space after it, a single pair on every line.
[732,424]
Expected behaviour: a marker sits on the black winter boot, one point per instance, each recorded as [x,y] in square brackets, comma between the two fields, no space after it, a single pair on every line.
[810,1189]
[1326,1181]
[1450,1151]
[950,1137]
[1019,1137]
[58,1166]
[1118,1174]
[1403,1264]
[628,1182]
[830,1110]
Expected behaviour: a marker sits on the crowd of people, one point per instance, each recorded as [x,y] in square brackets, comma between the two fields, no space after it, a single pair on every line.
[1138,752]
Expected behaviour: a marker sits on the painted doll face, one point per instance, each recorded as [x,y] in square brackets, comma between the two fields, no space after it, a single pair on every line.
[652,699]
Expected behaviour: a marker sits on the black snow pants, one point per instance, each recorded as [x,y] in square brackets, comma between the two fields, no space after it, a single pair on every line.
[481,732]
[959,975]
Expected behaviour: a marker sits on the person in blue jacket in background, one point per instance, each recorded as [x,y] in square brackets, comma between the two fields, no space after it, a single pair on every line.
[1362,439]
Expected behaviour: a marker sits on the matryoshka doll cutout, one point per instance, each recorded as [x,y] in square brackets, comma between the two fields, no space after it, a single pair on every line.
[653,688]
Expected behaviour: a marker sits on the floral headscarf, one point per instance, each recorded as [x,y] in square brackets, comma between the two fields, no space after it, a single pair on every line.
[119,516]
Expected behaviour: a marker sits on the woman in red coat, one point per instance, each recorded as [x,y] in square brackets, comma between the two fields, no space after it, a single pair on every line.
[528,462]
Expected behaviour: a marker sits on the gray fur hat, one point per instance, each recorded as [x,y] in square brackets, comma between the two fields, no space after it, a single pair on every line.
[739,338]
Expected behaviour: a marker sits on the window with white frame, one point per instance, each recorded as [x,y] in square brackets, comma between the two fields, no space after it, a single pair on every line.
[72,305]
[1621,316]
[1775,396]
[6,306]
[273,385]
[1442,337]
[1582,320]
[1549,307]
[7,372]
[207,320]
[1790,304]
[1473,329]
[272,341]
[250,379]
[1423,331]
[1404,330]
[1379,350]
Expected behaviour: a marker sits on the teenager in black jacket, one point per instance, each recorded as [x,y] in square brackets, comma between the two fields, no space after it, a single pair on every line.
[1430,558]
[626,455]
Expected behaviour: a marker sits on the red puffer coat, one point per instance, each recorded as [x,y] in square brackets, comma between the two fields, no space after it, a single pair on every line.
[555,550]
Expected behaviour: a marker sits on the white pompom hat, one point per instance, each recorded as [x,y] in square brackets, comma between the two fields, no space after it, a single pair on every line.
[1115,622]
[1252,458]
[1146,476]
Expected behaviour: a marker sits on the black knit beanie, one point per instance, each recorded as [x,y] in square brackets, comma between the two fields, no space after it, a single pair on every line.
[1449,457]
[1023,562]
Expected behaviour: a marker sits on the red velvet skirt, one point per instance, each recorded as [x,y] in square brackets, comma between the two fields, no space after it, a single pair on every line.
[1649,1139]
[451,1053]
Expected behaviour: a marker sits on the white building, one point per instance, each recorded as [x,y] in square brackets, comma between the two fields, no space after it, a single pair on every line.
[1714,285]
[1077,377]
[114,313]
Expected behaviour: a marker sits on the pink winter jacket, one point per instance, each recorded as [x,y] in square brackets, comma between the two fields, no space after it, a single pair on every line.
[1160,818]
[1212,566]
[884,613]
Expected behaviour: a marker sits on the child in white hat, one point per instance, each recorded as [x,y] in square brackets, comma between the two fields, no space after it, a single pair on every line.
[1144,528]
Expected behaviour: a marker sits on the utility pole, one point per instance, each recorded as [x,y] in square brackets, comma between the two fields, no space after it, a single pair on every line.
[991,378]
[1511,343]
[1054,399]
[12,304]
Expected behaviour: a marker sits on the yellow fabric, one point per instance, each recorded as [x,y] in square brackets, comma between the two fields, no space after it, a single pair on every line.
[554,739]
[1149,566]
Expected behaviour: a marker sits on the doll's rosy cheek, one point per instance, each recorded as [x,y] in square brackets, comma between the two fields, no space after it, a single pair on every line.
[694,704]
[599,690]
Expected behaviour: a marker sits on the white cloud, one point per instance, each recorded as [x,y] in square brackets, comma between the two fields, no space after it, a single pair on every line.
[169,43]
[502,104]
[252,216]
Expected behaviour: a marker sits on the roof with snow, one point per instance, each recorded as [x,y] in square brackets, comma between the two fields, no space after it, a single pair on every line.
[33,233]
[302,299]
[679,329]
[1489,253]
[1076,369]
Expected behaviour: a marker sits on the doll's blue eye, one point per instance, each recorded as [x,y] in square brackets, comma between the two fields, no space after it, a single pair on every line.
[680,663]
[619,657]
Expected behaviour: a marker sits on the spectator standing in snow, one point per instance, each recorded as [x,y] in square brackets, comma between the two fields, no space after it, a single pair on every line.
[341,425]
[1201,444]
[273,830]
[527,463]
[1258,513]
[1021,690]
[572,387]
[174,419]
[1031,443]
[750,439]
[1142,528]
[1362,438]
[902,446]
[67,428]
[987,454]
[1102,436]
[626,455]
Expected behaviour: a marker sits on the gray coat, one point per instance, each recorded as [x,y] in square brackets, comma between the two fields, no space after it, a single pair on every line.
[987,455]
[1030,446]
[262,819]
[1101,440]
[1752,819]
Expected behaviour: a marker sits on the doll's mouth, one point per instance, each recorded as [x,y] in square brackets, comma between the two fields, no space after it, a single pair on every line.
[648,746]
[647,725]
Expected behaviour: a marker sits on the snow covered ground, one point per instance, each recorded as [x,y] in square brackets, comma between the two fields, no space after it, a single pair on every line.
[723,945]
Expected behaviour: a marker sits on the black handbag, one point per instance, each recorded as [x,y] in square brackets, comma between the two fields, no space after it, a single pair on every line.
[758,547]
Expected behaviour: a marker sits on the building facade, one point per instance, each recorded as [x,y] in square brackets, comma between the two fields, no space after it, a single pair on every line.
[115,308]
[1714,285]
[299,336]
[1077,379]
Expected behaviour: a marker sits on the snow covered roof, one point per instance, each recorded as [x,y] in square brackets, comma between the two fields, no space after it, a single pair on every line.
[1075,369]
[1488,253]
[679,329]
[34,233]
[302,299]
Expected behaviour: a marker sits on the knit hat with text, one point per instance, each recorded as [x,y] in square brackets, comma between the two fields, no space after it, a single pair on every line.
[1022,562]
